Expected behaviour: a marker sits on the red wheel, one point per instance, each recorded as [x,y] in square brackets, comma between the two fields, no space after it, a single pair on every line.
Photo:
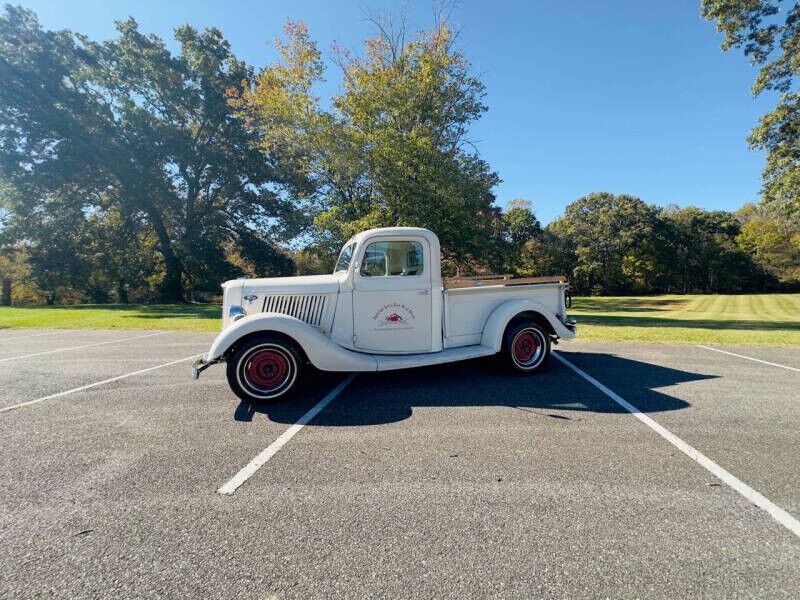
[264,368]
[526,347]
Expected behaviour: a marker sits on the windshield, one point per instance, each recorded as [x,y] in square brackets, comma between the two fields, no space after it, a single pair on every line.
[344,258]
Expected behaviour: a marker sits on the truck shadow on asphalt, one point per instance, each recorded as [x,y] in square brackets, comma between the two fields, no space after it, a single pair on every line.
[389,397]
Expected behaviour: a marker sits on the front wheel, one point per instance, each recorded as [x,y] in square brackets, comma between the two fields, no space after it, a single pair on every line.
[526,347]
[264,369]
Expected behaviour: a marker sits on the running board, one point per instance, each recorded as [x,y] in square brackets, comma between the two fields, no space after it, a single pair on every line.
[398,361]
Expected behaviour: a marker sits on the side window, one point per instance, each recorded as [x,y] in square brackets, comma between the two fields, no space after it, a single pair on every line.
[388,259]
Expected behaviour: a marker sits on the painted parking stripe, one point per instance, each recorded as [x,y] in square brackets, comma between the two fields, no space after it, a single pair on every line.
[20,337]
[97,383]
[777,513]
[758,360]
[261,459]
[138,337]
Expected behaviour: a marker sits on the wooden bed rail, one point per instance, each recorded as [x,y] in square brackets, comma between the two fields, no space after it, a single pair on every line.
[451,283]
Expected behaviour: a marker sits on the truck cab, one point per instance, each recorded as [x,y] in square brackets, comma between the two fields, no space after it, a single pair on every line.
[385,306]
[388,293]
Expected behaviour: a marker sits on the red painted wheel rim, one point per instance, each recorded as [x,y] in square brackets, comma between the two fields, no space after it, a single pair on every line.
[525,347]
[267,369]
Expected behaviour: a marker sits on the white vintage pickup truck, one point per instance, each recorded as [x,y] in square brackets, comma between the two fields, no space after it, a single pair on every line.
[385,306]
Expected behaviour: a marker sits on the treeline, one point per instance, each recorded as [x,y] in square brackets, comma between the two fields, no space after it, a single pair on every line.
[611,244]
[131,174]
[606,244]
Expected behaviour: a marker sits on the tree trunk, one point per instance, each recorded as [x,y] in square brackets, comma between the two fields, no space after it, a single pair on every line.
[6,300]
[172,286]
[122,292]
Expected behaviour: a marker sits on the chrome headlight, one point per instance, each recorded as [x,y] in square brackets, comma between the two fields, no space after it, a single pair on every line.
[236,312]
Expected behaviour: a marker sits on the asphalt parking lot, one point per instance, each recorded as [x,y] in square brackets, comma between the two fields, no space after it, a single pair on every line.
[449,481]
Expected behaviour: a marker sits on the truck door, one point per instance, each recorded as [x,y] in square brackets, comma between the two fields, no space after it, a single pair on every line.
[392,296]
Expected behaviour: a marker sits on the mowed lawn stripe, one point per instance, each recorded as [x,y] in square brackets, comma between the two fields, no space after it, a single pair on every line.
[699,305]
[751,305]
[783,304]
[792,302]
[759,307]
[710,319]
[779,307]
[718,307]
[686,305]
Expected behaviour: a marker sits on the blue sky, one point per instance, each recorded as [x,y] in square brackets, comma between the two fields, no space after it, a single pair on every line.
[622,96]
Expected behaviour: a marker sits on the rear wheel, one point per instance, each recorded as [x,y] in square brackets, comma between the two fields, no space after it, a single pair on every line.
[526,347]
[264,369]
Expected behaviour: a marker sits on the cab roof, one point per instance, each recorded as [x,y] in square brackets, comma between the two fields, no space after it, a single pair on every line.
[433,240]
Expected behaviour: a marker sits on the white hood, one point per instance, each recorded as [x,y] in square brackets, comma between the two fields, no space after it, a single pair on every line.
[257,295]
[305,284]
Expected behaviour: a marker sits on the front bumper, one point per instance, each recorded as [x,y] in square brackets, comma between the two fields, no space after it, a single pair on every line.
[201,365]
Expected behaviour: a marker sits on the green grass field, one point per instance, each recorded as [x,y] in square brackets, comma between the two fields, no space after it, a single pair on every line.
[748,320]
[744,319]
[174,317]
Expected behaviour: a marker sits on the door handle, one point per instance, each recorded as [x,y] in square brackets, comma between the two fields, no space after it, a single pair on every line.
[424,292]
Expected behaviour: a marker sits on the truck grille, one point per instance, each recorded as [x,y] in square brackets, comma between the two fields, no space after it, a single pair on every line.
[307,308]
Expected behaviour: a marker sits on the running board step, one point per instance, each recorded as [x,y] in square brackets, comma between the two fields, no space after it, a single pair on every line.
[397,361]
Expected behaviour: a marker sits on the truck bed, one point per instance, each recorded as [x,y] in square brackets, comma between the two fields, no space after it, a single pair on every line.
[451,283]
[468,302]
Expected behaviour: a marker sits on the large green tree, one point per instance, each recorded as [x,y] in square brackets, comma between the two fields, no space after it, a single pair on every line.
[772,240]
[55,252]
[610,236]
[769,33]
[550,252]
[698,252]
[520,227]
[393,149]
[127,125]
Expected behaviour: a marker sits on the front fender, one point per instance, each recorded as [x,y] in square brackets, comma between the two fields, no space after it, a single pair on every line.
[498,321]
[320,350]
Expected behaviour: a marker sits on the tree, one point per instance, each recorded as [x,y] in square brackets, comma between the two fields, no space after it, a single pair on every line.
[773,43]
[15,276]
[551,252]
[609,235]
[120,250]
[313,262]
[703,255]
[393,148]
[773,242]
[55,247]
[520,226]
[127,123]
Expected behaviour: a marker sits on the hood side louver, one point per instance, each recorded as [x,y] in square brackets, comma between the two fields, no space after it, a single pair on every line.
[306,307]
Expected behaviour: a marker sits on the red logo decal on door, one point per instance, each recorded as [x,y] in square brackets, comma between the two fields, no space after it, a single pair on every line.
[394,316]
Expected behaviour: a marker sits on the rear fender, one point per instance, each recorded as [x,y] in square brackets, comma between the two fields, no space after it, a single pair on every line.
[501,316]
[320,350]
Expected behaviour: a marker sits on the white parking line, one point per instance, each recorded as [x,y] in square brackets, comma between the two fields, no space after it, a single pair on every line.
[138,337]
[92,385]
[20,337]
[777,513]
[758,360]
[261,459]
